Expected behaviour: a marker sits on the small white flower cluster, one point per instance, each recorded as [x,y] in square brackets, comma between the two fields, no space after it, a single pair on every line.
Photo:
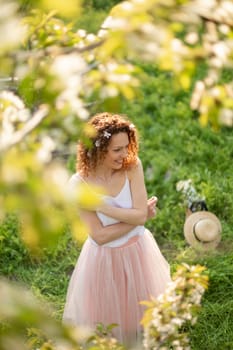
[12,31]
[97,143]
[12,113]
[218,45]
[69,70]
[116,75]
[106,134]
[44,154]
[189,192]
[171,310]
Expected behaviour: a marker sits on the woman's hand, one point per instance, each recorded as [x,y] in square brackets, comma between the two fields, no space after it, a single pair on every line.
[151,207]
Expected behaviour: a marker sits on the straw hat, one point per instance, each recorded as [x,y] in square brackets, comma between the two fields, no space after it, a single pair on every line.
[202,228]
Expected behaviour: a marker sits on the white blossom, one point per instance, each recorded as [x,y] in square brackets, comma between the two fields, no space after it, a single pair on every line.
[226,117]
[81,33]
[12,98]
[44,154]
[11,30]
[97,143]
[69,68]
[126,6]
[168,317]
[91,38]
[191,38]
[222,51]
[108,91]
[107,134]
[13,113]
[112,23]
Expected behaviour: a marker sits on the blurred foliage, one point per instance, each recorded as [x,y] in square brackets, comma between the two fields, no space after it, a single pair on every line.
[54,75]
[173,146]
[60,75]
[26,323]
[98,5]
[71,8]
[166,317]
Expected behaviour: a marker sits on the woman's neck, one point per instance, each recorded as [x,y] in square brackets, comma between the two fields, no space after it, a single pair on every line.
[104,174]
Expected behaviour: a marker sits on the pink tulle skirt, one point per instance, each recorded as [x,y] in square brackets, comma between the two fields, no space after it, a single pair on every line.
[108,284]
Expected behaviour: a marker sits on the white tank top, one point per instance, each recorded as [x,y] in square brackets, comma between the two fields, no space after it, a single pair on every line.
[122,200]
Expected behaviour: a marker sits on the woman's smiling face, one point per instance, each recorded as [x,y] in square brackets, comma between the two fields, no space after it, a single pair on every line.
[117,151]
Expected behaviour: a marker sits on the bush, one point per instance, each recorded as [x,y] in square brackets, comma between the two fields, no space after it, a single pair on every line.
[12,251]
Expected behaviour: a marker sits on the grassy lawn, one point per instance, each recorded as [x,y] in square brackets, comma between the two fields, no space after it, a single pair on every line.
[173,147]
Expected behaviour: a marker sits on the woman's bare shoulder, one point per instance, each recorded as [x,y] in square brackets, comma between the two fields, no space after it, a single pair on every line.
[135,169]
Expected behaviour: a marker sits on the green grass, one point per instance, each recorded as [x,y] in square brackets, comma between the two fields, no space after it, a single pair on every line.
[48,276]
[215,324]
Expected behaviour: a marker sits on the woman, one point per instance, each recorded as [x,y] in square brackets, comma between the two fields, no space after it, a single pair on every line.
[120,263]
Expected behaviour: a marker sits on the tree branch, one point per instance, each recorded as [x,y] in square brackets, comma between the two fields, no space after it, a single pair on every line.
[209,18]
[54,51]
[18,136]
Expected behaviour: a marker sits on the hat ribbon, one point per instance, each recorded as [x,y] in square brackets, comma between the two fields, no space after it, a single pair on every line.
[198,206]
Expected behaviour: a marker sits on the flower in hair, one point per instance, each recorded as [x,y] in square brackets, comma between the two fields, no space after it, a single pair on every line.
[107,134]
[132,126]
[97,143]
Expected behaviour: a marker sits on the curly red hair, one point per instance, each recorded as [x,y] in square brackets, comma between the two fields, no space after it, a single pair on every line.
[105,125]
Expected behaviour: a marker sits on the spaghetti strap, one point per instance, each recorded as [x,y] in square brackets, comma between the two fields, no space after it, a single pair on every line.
[81,178]
[77,179]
